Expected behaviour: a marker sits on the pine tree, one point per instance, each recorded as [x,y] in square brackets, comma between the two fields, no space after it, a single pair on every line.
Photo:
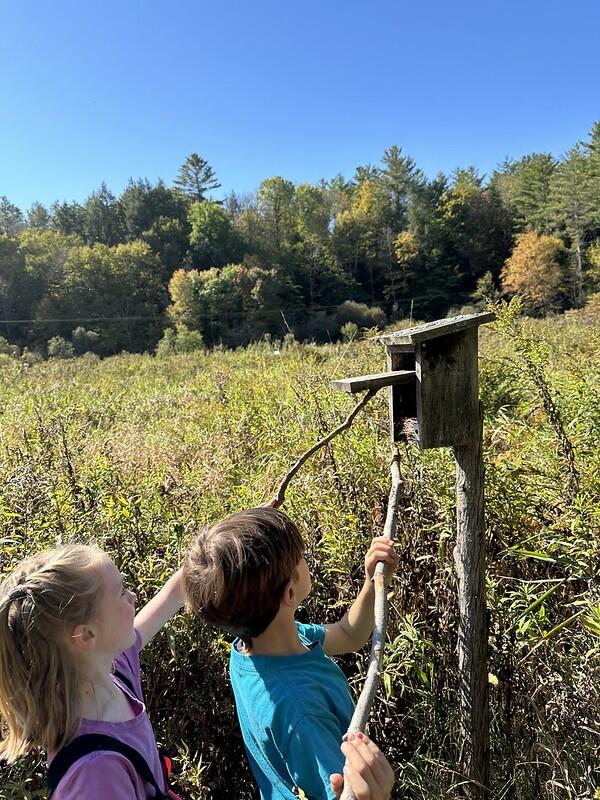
[196,177]
[575,205]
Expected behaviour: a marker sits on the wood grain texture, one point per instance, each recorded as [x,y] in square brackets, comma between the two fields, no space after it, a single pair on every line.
[432,330]
[363,382]
[470,566]
[447,389]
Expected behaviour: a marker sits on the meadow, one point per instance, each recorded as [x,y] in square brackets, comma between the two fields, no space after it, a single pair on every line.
[136,452]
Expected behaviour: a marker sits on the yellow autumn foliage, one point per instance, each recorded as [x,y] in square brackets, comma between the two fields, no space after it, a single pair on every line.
[535,271]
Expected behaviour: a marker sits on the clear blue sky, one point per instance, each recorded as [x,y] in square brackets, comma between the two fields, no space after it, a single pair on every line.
[94,90]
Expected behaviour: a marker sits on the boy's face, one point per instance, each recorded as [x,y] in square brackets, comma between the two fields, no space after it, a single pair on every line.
[302,582]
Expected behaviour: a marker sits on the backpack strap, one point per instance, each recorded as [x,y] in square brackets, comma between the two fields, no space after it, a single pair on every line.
[126,681]
[91,743]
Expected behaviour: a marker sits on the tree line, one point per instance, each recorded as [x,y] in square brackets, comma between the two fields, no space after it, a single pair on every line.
[170,267]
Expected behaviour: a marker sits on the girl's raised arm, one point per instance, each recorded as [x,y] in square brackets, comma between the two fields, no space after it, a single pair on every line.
[160,609]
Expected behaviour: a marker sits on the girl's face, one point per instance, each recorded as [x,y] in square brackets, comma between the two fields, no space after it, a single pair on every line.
[113,623]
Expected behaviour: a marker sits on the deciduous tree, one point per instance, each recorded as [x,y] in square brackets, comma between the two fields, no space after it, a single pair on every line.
[536,272]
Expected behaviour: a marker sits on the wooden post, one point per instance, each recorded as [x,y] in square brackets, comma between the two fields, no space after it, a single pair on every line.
[449,415]
[440,405]
[469,561]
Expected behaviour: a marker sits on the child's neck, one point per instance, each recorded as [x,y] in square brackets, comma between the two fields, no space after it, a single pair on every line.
[100,698]
[279,639]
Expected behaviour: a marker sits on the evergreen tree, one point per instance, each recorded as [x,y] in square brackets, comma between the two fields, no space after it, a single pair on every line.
[104,222]
[39,217]
[69,218]
[142,204]
[533,178]
[196,177]
[575,205]
[11,217]
[402,181]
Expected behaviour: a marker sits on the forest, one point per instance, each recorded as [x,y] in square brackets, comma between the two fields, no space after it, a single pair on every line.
[168,269]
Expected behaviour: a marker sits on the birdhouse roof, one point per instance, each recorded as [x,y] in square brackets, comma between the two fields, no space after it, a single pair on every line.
[433,330]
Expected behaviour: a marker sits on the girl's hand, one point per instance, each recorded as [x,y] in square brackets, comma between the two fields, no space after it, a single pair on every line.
[367,770]
[381,549]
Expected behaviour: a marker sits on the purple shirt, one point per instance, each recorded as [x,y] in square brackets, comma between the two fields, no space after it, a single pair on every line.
[100,775]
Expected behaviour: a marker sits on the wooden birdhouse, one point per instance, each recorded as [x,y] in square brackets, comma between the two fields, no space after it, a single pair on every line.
[433,381]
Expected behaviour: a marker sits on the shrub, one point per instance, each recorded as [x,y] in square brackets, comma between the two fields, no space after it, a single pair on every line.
[181,340]
[84,340]
[8,349]
[60,348]
[349,331]
[362,315]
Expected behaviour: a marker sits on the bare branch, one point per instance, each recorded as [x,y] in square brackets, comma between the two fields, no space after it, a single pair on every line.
[280,496]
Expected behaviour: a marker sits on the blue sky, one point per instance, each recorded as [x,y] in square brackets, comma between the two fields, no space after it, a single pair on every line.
[94,90]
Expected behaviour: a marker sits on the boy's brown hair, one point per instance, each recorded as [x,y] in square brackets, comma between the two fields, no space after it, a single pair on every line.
[236,570]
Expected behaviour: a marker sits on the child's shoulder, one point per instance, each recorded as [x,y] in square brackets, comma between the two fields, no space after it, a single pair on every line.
[98,775]
[311,632]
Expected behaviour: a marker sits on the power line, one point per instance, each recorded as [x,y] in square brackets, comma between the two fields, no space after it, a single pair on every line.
[225,314]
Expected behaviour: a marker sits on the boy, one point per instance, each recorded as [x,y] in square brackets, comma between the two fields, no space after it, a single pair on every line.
[247,574]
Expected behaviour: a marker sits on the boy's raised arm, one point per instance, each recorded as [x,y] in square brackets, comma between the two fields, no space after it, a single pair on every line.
[355,627]
[160,609]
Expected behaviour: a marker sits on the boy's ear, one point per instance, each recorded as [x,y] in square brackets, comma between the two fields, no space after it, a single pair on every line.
[82,637]
[288,597]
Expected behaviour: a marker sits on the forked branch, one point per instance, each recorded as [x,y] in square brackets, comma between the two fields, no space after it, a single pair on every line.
[280,496]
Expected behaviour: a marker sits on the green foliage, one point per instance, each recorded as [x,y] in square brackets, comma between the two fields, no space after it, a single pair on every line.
[196,177]
[360,314]
[104,223]
[11,217]
[83,340]
[60,348]
[8,349]
[181,340]
[233,305]
[213,242]
[123,281]
[349,331]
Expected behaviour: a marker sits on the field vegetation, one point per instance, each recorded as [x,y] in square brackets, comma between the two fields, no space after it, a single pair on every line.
[136,451]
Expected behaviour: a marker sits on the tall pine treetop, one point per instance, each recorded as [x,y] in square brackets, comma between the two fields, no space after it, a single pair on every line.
[196,177]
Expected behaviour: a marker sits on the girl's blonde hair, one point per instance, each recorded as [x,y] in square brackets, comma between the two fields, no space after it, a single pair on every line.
[40,603]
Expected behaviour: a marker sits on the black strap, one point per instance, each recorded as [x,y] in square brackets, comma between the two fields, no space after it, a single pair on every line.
[91,743]
[124,679]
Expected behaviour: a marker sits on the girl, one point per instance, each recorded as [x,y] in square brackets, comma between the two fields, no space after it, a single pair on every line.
[69,666]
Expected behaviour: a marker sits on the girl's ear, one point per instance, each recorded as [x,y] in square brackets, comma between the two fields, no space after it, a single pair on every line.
[82,637]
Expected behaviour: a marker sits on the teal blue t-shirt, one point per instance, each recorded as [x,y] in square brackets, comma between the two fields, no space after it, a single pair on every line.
[293,711]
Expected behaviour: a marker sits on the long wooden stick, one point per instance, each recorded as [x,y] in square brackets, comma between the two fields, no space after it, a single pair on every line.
[280,496]
[367,696]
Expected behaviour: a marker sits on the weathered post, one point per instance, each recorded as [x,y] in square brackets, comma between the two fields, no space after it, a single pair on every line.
[469,562]
[434,401]
[448,414]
